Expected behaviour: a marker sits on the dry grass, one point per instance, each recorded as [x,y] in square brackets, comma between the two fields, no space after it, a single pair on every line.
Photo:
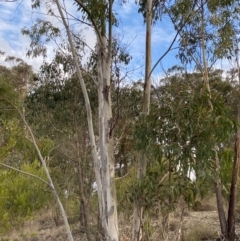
[207,204]
[194,226]
[200,232]
[42,225]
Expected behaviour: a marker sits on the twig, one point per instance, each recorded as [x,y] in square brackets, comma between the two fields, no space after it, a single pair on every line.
[26,173]
[117,178]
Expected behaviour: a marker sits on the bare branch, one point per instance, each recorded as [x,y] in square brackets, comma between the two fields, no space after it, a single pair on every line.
[174,39]
[25,173]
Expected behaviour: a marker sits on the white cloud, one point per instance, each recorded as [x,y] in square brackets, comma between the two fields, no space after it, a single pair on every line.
[125,9]
[14,16]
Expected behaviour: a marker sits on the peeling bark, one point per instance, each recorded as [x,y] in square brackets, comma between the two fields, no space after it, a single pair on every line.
[109,205]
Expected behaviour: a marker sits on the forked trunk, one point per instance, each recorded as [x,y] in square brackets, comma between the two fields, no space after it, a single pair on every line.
[137,230]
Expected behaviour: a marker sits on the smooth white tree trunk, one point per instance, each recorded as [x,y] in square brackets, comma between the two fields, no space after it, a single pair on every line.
[87,105]
[109,206]
[105,166]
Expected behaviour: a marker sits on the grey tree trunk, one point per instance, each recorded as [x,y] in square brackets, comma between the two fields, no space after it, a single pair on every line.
[87,104]
[233,191]
[219,198]
[137,230]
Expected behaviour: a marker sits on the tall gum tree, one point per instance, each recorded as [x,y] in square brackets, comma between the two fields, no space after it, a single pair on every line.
[236,162]
[220,18]
[104,168]
[98,15]
[137,230]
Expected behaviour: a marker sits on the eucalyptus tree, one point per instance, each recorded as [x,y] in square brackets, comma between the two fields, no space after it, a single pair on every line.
[12,95]
[142,159]
[98,15]
[152,12]
[179,137]
[205,43]
[227,19]
[54,109]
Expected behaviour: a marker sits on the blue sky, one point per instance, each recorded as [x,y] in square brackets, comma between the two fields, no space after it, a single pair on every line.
[15,15]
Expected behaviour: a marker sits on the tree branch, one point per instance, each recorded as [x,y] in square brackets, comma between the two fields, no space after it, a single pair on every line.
[26,173]
[110,30]
[92,20]
[170,47]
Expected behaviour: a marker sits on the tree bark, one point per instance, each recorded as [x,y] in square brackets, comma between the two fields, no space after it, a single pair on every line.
[221,212]
[137,230]
[97,168]
[109,206]
[233,191]
[218,190]
[104,168]
[235,171]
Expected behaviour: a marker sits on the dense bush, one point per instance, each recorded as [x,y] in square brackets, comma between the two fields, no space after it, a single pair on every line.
[21,195]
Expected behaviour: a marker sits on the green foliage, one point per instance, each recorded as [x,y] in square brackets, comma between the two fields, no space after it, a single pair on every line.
[180,136]
[152,190]
[96,11]
[123,186]
[215,21]
[21,195]
[226,156]
[40,33]
[158,8]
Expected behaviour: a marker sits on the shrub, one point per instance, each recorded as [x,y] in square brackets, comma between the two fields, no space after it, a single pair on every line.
[20,195]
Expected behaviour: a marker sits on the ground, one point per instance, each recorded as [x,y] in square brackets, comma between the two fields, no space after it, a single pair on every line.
[197,225]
